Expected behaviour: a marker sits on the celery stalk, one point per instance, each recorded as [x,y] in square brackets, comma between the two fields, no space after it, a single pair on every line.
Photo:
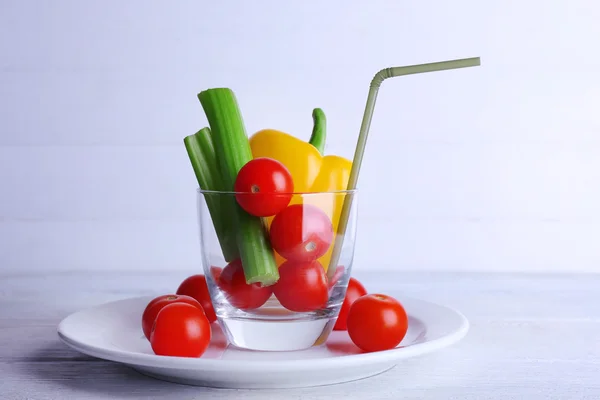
[202,156]
[233,152]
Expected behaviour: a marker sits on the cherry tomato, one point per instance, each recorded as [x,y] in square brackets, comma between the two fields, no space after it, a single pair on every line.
[353,292]
[152,309]
[195,287]
[302,286]
[301,232]
[377,322]
[238,292]
[180,330]
[215,272]
[339,272]
[264,187]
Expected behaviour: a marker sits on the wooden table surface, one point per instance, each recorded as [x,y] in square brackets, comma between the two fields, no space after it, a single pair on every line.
[531,337]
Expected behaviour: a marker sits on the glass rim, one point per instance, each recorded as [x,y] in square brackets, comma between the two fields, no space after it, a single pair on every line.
[223,192]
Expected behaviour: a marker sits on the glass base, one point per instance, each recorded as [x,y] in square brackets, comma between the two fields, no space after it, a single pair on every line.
[273,335]
[273,328]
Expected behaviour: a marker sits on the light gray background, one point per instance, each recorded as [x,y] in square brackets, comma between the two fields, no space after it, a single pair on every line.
[492,168]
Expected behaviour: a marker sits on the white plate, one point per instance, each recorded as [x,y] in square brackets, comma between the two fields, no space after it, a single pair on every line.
[113,332]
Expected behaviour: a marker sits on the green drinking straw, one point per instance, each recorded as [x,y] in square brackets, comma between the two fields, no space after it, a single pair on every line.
[364,133]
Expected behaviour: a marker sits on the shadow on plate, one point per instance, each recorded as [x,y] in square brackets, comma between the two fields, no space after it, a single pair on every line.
[57,365]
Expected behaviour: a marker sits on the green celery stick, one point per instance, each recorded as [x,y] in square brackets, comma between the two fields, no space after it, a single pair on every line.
[233,152]
[202,155]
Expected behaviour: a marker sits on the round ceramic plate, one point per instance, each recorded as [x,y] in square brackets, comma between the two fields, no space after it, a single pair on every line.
[113,332]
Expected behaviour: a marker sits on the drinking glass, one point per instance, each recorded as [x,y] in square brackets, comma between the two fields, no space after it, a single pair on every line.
[300,309]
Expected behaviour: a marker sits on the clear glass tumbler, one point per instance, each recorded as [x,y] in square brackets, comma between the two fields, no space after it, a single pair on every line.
[299,310]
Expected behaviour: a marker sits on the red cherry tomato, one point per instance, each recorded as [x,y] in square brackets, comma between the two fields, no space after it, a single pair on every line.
[241,295]
[353,292]
[152,309]
[195,287]
[302,286]
[215,272]
[339,272]
[180,330]
[264,187]
[301,232]
[377,322]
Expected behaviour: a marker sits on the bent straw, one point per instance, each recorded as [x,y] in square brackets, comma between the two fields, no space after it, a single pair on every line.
[364,133]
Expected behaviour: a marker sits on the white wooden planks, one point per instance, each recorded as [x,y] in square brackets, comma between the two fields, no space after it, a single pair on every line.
[532,336]
[494,168]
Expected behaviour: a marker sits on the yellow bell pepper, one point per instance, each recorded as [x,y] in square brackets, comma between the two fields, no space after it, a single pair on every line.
[311,172]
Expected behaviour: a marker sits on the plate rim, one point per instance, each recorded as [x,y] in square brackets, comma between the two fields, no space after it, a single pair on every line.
[169,362]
